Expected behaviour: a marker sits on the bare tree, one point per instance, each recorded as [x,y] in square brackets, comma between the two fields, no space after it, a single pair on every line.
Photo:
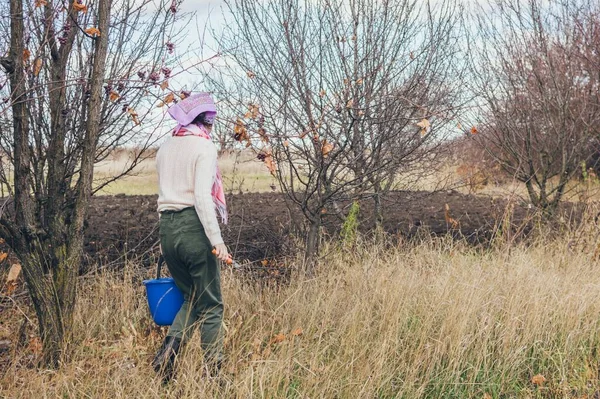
[339,96]
[83,81]
[540,108]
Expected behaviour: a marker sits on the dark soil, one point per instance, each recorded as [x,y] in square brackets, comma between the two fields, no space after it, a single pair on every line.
[262,226]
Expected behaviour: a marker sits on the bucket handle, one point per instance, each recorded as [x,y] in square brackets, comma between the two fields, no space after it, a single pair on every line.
[160,262]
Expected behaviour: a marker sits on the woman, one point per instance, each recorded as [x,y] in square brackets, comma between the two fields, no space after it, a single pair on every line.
[190,192]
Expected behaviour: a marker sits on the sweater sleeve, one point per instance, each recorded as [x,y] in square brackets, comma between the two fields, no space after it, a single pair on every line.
[205,170]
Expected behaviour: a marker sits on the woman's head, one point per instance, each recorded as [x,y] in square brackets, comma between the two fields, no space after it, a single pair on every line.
[192,108]
[206,119]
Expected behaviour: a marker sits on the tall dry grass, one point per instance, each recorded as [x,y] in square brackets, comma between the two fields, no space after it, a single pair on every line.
[434,320]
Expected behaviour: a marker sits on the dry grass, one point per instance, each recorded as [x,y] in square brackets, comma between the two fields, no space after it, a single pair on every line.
[437,320]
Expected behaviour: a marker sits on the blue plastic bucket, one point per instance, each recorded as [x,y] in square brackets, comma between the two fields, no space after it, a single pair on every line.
[164,300]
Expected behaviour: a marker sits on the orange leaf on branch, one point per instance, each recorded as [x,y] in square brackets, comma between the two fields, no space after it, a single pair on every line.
[113,96]
[326,148]
[134,115]
[79,7]
[253,111]
[263,135]
[474,130]
[39,3]
[164,85]
[424,125]
[94,32]
[169,98]
[26,55]
[37,66]
[240,133]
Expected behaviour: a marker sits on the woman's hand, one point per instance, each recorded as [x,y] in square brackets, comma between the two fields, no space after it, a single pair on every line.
[221,252]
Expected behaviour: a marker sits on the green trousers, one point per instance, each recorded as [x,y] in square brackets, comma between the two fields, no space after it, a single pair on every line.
[188,254]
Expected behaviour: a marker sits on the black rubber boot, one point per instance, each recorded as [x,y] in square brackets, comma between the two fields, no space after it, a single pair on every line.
[164,361]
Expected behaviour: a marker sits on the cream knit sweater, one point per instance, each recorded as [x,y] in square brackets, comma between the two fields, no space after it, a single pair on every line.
[186,169]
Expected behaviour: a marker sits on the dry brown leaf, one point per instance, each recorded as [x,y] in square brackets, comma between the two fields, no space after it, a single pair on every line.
[459,126]
[270,164]
[286,143]
[79,7]
[424,125]
[134,115]
[359,82]
[240,133]
[95,32]
[37,66]
[169,98]
[253,111]
[164,85]
[350,104]
[474,130]
[487,396]
[3,256]
[13,273]
[39,3]
[323,93]
[35,345]
[263,135]
[538,379]
[449,219]
[251,74]
[278,338]
[26,55]
[326,148]
[113,96]
[297,332]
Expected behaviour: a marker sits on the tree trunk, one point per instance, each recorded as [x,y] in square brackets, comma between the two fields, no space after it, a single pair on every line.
[50,250]
[378,215]
[312,245]
[42,289]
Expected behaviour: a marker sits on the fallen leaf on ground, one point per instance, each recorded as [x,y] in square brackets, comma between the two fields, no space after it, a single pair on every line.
[14,272]
[297,332]
[538,379]
[35,345]
[277,339]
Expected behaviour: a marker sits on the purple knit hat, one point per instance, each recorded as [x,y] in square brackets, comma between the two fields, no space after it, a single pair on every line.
[185,111]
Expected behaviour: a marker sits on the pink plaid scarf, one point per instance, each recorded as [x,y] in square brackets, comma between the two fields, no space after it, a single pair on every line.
[217,192]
